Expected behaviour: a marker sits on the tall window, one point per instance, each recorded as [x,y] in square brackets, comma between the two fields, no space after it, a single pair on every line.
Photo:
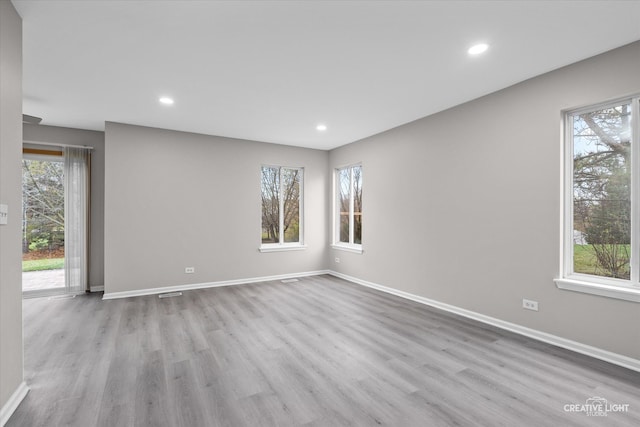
[281,206]
[349,206]
[601,235]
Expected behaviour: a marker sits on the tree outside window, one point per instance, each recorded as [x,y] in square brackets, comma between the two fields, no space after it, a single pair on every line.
[602,191]
[281,205]
[349,215]
[43,207]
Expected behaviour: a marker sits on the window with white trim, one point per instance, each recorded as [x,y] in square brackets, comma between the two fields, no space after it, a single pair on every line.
[348,207]
[602,200]
[281,189]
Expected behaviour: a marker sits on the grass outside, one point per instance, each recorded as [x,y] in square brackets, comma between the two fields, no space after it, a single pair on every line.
[584,260]
[43,264]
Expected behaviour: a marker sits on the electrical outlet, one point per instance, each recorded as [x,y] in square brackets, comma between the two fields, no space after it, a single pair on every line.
[528,304]
[338,260]
[189,270]
[4,214]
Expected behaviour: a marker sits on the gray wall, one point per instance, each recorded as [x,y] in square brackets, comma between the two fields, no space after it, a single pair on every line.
[463,207]
[10,194]
[176,200]
[59,135]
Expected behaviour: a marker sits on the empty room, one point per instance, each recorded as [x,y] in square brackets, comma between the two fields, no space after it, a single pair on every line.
[319,213]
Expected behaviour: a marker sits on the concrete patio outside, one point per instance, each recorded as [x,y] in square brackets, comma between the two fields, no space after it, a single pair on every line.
[42,280]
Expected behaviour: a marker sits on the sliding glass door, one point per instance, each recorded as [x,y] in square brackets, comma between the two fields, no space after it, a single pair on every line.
[55,221]
[43,223]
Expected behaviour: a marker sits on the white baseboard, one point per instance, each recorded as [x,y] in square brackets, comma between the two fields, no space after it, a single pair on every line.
[12,404]
[96,288]
[162,290]
[598,353]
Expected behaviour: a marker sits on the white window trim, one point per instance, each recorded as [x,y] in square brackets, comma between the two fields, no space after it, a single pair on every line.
[626,293]
[628,290]
[342,246]
[337,244]
[283,246]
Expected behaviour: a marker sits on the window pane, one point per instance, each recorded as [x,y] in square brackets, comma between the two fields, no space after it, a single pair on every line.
[43,206]
[270,205]
[344,183]
[357,204]
[291,194]
[601,192]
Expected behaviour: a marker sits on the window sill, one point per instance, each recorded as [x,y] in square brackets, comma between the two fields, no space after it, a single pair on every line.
[354,249]
[282,248]
[618,292]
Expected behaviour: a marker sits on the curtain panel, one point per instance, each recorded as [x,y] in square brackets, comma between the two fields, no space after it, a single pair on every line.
[76,208]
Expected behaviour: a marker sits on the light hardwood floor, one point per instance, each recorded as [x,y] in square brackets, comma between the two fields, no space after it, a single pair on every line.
[318,352]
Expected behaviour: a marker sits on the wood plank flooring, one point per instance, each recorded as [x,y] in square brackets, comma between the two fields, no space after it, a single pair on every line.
[318,352]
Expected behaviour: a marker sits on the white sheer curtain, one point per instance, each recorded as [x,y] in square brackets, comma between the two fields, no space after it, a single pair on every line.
[76,218]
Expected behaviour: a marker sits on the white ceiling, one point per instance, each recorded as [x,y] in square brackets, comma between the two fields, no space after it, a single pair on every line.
[272,70]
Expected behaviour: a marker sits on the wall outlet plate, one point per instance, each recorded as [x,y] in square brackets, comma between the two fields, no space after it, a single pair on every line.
[4,214]
[189,270]
[528,304]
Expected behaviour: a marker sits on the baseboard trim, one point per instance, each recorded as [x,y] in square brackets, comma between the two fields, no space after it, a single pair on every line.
[598,353]
[12,404]
[154,291]
[96,288]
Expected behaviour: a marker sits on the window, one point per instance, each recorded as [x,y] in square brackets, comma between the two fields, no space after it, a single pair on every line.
[602,203]
[281,208]
[348,215]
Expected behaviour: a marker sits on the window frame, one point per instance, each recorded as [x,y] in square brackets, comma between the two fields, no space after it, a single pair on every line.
[282,245]
[624,289]
[350,246]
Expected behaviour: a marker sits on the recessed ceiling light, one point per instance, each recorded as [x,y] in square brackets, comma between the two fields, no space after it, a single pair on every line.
[321,127]
[478,49]
[166,100]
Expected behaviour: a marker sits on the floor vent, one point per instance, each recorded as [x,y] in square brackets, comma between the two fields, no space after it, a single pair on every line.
[170,294]
[289,280]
